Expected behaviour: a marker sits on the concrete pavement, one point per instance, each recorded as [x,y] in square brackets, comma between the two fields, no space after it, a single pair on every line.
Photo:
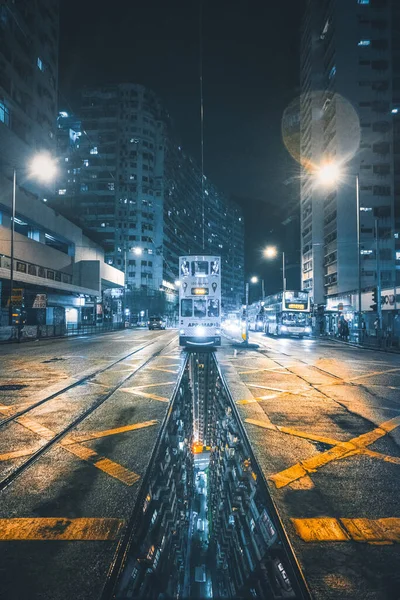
[62,518]
[324,423]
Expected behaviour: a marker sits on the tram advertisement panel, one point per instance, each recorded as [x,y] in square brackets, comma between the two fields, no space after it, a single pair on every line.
[200,300]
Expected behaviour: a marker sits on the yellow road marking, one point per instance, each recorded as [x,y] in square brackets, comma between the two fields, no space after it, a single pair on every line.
[308,436]
[40,430]
[304,483]
[266,424]
[86,436]
[385,457]
[340,450]
[327,529]
[163,370]
[373,374]
[104,464]
[60,529]
[140,387]
[137,392]
[320,530]
[14,407]
[72,445]
[16,454]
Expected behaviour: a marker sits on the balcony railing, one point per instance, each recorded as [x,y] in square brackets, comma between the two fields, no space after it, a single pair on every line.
[21,266]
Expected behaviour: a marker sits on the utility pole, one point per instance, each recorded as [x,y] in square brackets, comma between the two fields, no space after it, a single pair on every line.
[14,189]
[378,275]
[358,256]
[284,271]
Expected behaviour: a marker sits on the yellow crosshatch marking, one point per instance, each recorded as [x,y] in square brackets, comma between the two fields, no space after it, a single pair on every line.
[340,449]
[53,529]
[138,392]
[73,444]
[328,529]
[161,369]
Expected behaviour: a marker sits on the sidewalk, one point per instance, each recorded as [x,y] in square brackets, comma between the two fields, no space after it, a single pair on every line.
[373,343]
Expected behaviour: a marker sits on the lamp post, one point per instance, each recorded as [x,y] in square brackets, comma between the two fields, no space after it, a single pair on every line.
[42,167]
[328,175]
[245,333]
[137,251]
[272,252]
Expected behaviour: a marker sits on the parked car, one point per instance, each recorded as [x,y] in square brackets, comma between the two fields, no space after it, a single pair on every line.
[156,323]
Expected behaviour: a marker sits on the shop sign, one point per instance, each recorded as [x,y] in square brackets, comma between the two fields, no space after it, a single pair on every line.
[40,301]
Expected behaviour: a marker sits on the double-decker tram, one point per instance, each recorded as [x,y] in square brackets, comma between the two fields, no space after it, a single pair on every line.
[199,301]
[288,313]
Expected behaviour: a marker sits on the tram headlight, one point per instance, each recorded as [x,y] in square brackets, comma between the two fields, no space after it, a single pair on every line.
[284,328]
[308,329]
[218,331]
[259,323]
[181,331]
[200,331]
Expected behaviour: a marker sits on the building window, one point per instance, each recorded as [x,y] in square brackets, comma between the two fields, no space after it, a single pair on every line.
[332,72]
[4,114]
[62,192]
[364,43]
[363,1]
[94,150]
[85,163]
[40,64]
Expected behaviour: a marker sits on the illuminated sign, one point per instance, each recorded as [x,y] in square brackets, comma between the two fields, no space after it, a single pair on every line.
[296,306]
[199,291]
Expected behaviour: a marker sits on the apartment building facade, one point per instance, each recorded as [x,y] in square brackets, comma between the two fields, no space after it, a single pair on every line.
[127,179]
[348,108]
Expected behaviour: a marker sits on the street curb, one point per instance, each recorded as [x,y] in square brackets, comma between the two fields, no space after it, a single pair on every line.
[361,346]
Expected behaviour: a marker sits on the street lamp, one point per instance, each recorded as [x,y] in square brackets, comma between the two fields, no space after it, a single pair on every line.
[328,175]
[44,168]
[272,252]
[245,333]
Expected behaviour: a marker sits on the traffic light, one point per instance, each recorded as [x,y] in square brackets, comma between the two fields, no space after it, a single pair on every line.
[374,306]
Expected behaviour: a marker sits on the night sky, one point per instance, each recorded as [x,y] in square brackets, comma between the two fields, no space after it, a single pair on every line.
[250,74]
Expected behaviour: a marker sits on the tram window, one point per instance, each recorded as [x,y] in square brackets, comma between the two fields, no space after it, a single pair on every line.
[213,308]
[199,268]
[186,307]
[200,308]
[215,267]
[185,268]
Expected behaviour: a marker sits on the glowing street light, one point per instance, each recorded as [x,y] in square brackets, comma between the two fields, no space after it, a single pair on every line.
[137,251]
[270,252]
[328,173]
[254,280]
[43,167]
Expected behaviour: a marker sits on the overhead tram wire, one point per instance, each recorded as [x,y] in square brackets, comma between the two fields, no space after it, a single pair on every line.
[201,117]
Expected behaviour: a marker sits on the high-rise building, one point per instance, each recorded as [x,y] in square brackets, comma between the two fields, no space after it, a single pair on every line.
[350,84]
[28,84]
[127,178]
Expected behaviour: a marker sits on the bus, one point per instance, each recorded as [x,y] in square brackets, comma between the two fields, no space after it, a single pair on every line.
[255,316]
[288,313]
[199,300]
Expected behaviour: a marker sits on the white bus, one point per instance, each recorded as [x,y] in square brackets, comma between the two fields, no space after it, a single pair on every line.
[199,301]
[288,313]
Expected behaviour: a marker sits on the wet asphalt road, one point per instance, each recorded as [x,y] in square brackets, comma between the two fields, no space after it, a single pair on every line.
[301,402]
[324,422]
[61,518]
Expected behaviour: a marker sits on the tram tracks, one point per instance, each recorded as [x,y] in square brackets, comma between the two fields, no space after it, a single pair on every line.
[52,438]
[77,383]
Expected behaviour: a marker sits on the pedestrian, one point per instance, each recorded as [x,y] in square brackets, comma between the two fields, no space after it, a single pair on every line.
[345,328]
[376,326]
